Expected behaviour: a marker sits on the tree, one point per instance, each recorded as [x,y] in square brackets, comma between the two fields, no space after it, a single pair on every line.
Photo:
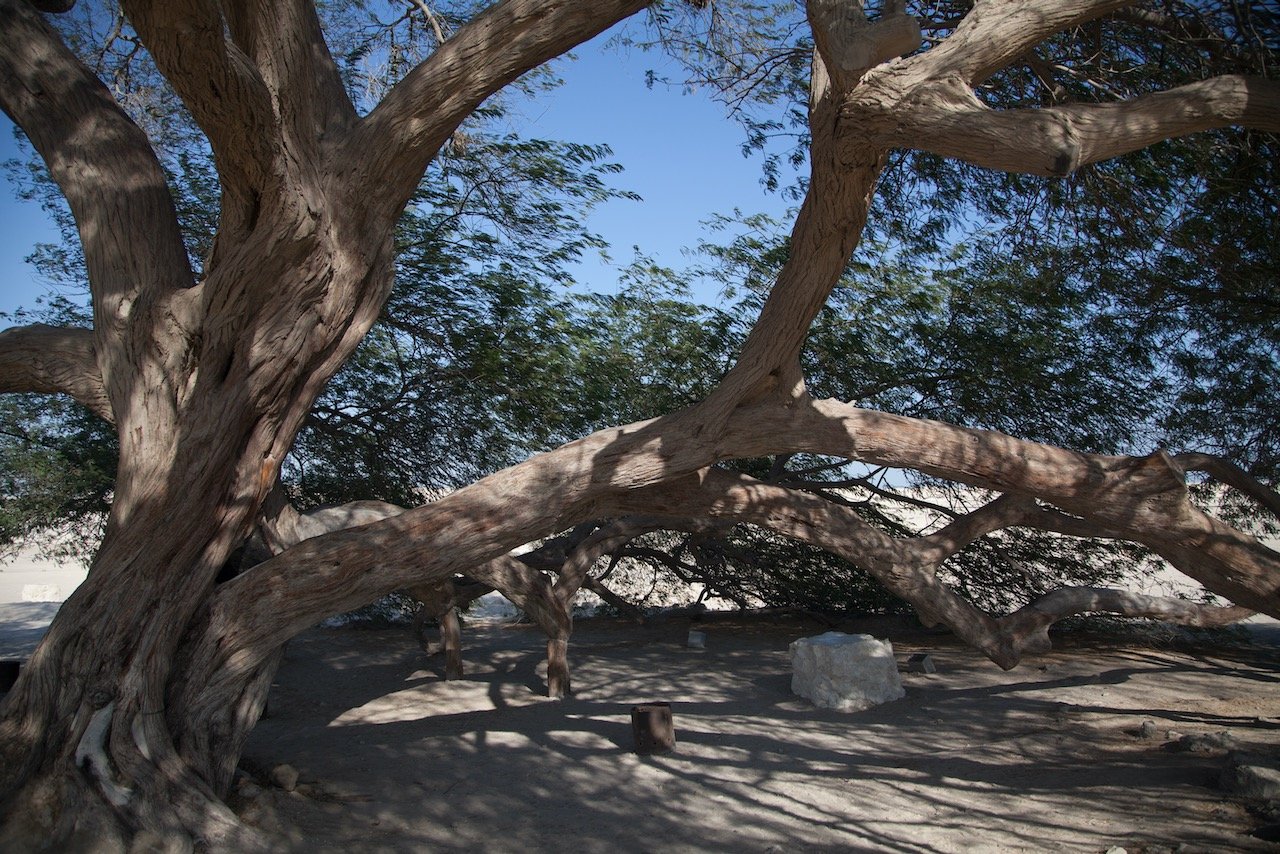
[133,711]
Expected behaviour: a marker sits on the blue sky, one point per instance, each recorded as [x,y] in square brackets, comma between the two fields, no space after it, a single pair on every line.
[680,152]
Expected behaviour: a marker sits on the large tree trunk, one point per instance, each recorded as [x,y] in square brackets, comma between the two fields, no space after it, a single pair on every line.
[206,380]
[87,730]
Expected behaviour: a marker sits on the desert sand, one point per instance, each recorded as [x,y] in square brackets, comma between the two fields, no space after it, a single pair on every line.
[1051,756]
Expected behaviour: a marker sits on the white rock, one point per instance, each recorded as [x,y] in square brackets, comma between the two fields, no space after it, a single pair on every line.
[845,672]
[41,593]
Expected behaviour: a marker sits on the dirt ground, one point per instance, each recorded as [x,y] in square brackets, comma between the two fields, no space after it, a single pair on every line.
[1047,757]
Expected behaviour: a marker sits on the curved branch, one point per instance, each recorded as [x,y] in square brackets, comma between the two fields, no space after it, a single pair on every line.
[102,162]
[946,118]
[906,566]
[1004,512]
[573,573]
[996,33]
[286,46]
[529,589]
[53,360]
[393,144]
[1144,499]
[1029,625]
[219,85]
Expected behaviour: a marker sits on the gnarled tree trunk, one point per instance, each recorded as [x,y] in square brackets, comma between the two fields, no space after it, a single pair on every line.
[206,378]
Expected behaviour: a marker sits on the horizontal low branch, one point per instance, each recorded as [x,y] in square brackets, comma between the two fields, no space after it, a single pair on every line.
[1030,624]
[53,360]
[661,467]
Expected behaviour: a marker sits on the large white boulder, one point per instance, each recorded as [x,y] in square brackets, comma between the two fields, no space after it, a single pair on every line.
[845,672]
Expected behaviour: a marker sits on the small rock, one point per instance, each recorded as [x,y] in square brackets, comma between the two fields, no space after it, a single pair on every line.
[249,790]
[921,663]
[1147,730]
[285,776]
[1252,776]
[1203,743]
[1116,849]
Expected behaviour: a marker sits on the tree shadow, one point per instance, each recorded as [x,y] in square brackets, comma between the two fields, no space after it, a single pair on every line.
[404,761]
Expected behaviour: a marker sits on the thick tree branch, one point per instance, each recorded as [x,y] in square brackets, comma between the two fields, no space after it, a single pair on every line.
[393,144]
[286,45]
[102,162]
[1029,625]
[850,44]
[1143,499]
[907,566]
[996,33]
[827,229]
[573,573]
[53,360]
[946,118]
[222,89]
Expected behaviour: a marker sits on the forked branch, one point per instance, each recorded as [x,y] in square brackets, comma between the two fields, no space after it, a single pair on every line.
[1226,472]
[220,86]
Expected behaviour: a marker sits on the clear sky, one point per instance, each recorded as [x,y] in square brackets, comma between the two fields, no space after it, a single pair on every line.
[680,152]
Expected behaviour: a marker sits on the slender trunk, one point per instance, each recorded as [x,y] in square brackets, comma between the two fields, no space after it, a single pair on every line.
[451,643]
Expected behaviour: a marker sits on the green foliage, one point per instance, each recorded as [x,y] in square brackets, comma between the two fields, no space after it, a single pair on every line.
[469,367]
[752,566]
[57,467]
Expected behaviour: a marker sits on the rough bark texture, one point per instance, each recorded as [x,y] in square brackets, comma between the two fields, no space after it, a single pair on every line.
[128,721]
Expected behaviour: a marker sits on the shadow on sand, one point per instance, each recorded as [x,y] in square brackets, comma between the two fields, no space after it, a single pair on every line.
[1043,757]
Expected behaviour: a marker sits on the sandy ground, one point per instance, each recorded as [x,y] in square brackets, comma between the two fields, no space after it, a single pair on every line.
[1047,757]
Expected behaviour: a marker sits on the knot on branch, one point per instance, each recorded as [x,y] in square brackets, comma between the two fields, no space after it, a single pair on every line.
[849,43]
